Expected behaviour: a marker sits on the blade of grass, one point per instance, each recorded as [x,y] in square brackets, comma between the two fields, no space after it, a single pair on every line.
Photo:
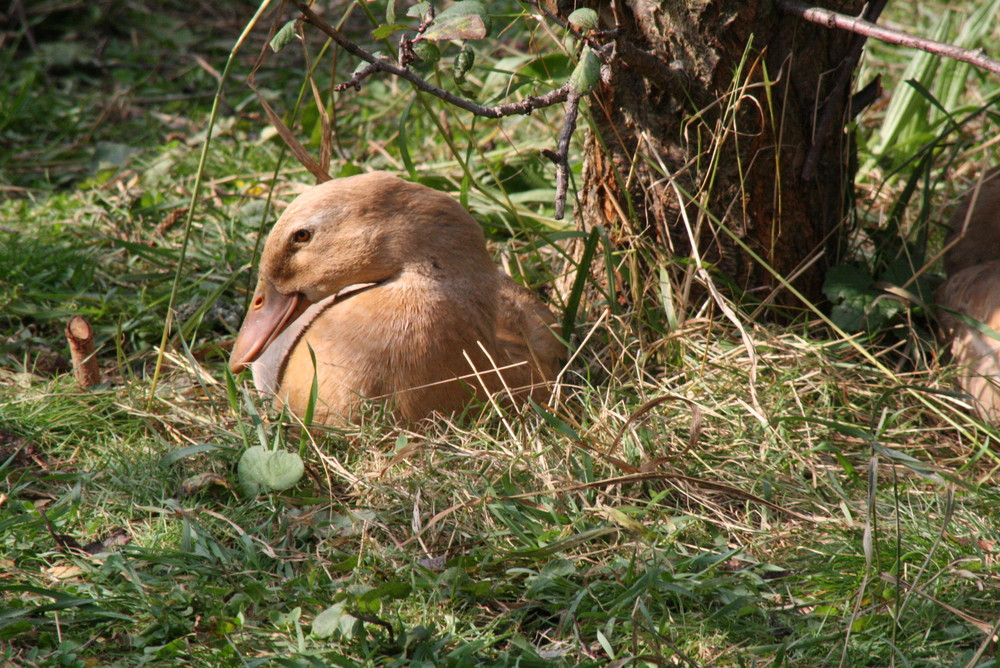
[195,193]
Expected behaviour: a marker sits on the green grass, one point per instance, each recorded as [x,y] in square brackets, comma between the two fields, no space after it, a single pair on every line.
[657,512]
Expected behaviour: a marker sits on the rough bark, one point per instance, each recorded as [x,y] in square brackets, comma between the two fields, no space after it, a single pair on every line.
[720,98]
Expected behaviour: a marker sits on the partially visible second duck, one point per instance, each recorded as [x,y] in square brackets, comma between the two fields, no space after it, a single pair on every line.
[970,297]
[390,285]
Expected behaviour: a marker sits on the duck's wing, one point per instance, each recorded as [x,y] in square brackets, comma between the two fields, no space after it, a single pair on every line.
[527,340]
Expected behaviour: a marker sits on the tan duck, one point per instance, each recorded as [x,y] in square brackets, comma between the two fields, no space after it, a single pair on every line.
[972,263]
[390,284]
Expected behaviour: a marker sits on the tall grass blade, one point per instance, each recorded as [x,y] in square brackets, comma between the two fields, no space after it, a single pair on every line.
[579,283]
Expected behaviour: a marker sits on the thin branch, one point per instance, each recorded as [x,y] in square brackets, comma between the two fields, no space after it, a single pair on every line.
[525,106]
[564,93]
[359,76]
[853,24]
[561,157]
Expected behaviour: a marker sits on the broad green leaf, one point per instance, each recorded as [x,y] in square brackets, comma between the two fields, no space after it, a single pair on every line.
[464,61]
[469,26]
[284,36]
[427,52]
[419,10]
[371,600]
[587,72]
[584,19]
[333,620]
[384,31]
[262,469]
[605,644]
[559,568]
[463,8]
[906,116]
[175,456]
[462,20]
[845,281]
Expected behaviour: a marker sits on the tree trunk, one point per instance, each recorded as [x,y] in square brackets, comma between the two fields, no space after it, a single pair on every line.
[718,100]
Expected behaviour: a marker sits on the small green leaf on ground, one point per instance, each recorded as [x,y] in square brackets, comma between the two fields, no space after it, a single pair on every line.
[335,619]
[264,470]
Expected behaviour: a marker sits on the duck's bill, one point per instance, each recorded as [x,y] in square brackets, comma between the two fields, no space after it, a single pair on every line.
[270,313]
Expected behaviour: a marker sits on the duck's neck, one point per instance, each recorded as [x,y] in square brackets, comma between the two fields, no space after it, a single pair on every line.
[269,366]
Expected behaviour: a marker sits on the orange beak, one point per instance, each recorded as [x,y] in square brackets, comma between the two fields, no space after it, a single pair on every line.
[270,313]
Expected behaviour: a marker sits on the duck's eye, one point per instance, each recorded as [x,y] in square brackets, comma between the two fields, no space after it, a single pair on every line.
[301,236]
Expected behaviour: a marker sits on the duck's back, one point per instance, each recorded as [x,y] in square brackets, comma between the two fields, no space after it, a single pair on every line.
[970,320]
[970,297]
[975,226]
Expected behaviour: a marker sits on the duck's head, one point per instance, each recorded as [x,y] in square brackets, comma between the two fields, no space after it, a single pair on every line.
[362,229]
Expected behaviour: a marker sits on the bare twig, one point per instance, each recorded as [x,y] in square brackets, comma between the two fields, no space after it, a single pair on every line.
[561,157]
[359,76]
[853,24]
[81,345]
[835,101]
[650,64]
[525,106]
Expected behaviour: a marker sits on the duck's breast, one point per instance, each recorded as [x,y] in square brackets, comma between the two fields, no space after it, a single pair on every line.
[400,341]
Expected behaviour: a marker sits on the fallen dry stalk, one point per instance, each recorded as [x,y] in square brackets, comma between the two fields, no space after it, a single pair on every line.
[81,345]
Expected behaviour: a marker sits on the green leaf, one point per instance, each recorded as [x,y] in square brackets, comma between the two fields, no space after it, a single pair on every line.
[284,36]
[587,72]
[307,420]
[261,469]
[850,290]
[584,19]
[464,61]
[553,421]
[384,31]
[402,140]
[333,620]
[427,52]
[462,20]
[464,8]
[370,601]
[857,303]
[845,281]
[469,26]
[419,10]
